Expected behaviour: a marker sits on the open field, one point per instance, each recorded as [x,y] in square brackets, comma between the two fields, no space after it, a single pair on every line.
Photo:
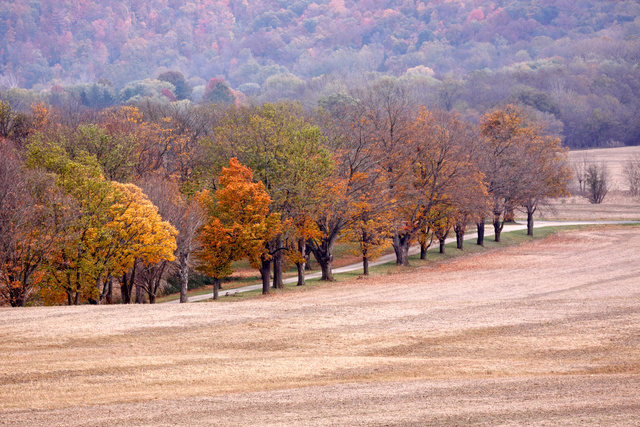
[547,333]
[613,158]
[618,205]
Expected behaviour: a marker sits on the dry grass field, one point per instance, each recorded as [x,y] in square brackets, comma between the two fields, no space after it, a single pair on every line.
[547,333]
[618,204]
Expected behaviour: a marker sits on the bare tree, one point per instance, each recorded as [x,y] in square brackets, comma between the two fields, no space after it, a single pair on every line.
[186,215]
[580,167]
[151,279]
[598,182]
[631,170]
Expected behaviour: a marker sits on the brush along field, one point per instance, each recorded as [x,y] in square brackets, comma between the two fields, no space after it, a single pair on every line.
[547,333]
[617,205]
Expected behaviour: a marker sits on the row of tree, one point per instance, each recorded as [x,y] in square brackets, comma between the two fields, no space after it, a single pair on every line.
[127,196]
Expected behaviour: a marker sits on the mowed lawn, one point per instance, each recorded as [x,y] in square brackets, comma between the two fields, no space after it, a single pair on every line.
[543,333]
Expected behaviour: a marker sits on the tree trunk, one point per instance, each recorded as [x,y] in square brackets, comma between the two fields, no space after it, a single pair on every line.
[401,246]
[301,279]
[365,266]
[183,276]
[497,227]
[277,265]
[307,256]
[301,265]
[442,243]
[69,296]
[324,255]
[124,291]
[530,212]
[132,280]
[509,216]
[109,297]
[459,237]
[139,294]
[76,299]
[423,250]
[216,287]
[480,226]
[265,273]
[325,267]
[18,298]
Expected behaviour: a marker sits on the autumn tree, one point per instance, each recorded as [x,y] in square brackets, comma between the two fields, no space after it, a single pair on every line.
[239,224]
[442,222]
[176,78]
[135,233]
[471,204]
[217,92]
[31,216]
[369,229]
[504,132]
[439,160]
[365,142]
[545,173]
[287,154]
[522,166]
[114,227]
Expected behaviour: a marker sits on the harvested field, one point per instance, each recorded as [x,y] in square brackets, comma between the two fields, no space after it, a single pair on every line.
[612,158]
[617,205]
[547,333]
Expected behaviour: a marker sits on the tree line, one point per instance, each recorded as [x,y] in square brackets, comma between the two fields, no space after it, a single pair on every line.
[93,200]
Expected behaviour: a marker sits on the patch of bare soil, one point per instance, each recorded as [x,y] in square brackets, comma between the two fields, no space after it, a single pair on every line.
[546,333]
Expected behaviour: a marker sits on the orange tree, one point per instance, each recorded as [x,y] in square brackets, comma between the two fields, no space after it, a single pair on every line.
[239,225]
[522,167]
[369,226]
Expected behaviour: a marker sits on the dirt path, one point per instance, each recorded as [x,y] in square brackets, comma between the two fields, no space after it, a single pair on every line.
[542,334]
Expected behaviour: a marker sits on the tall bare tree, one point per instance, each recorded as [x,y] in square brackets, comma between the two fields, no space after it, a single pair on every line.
[631,170]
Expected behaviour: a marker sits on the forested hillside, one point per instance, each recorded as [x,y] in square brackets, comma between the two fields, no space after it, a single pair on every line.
[576,62]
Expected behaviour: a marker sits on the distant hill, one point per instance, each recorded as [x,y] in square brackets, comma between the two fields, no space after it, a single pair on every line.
[246,42]
[539,50]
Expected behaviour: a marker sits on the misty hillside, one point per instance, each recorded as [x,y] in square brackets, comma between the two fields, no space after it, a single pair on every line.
[574,61]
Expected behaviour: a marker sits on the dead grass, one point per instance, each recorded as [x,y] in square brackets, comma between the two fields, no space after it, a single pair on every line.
[544,333]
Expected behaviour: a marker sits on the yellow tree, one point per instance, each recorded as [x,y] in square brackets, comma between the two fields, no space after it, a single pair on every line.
[113,225]
[134,233]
